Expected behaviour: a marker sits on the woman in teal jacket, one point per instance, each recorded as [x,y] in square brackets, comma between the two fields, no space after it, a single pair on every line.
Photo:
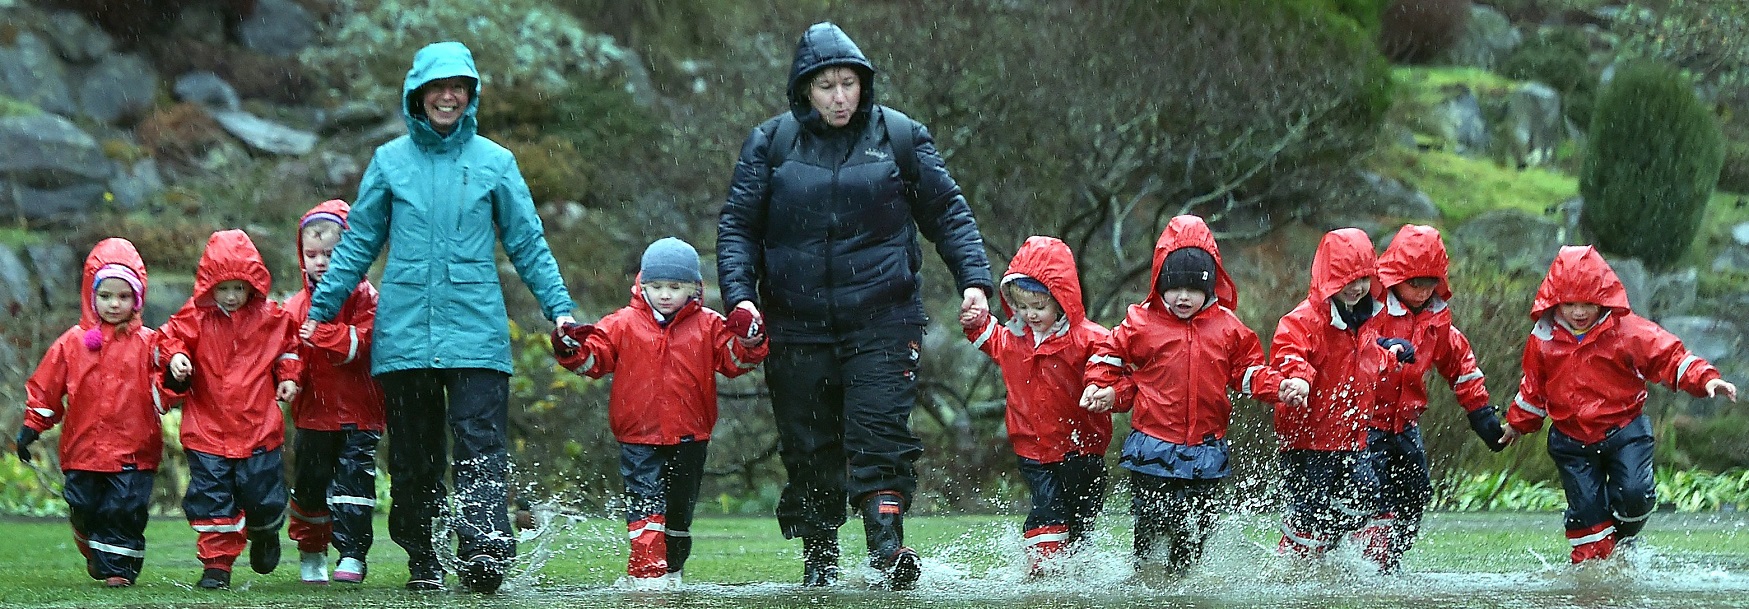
[441,198]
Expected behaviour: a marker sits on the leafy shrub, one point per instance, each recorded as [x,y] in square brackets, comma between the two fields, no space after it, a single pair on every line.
[1560,58]
[1417,31]
[1679,489]
[1653,159]
[1734,174]
[180,134]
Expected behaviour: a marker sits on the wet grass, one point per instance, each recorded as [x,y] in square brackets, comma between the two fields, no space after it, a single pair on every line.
[971,562]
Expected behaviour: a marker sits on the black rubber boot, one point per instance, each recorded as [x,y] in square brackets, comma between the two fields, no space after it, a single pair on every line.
[482,574]
[820,560]
[214,579]
[264,552]
[424,574]
[883,522]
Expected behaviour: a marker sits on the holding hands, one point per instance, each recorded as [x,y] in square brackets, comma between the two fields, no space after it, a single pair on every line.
[747,324]
[568,337]
[287,391]
[180,367]
[1097,399]
[976,304]
[1294,392]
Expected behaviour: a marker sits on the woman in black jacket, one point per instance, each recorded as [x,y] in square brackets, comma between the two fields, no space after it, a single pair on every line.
[819,233]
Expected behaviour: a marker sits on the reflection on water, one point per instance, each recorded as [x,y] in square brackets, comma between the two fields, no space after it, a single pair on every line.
[980,568]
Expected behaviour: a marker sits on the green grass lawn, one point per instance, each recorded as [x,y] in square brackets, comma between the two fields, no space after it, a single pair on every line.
[970,561]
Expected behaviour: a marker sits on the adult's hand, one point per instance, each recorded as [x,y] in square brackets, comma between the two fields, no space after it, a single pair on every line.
[563,320]
[975,302]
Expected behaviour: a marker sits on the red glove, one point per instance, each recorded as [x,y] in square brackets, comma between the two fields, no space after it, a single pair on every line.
[743,323]
[567,339]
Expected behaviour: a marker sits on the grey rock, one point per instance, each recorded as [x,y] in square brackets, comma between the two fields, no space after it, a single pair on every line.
[1713,339]
[17,292]
[78,40]
[265,135]
[1510,239]
[1393,198]
[339,169]
[207,89]
[1487,41]
[1733,259]
[1672,294]
[58,269]
[279,28]
[31,71]
[1634,278]
[353,116]
[133,186]
[59,205]
[1459,120]
[1534,123]
[118,88]
[46,151]
[164,296]
[1740,234]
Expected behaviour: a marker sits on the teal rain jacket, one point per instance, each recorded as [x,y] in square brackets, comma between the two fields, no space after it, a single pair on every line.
[441,204]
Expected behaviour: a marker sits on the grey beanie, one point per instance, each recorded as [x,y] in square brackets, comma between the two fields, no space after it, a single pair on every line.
[670,259]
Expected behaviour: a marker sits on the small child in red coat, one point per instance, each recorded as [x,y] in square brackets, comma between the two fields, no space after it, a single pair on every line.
[245,352]
[105,381]
[338,415]
[1586,366]
[664,349]
[1042,351]
[1180,352]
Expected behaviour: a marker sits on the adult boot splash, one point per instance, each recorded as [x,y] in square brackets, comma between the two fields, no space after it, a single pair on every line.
[883,521]
[820,560]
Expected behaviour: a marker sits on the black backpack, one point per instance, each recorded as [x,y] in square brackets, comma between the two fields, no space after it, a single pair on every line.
[899,128]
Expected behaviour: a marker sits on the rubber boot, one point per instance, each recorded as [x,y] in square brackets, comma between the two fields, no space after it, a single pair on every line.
[264,551]
[1374,541]
[1041,544]
[883,522]
[649,555]
[820,560]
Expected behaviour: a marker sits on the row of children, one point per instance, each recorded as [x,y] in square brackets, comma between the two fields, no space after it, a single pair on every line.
[229,356]
[1348,382]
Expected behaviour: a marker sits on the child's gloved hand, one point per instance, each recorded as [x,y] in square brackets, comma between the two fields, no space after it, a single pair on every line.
[568,337]
[1401,347]
[26,437]
[1487,426]
[747,324]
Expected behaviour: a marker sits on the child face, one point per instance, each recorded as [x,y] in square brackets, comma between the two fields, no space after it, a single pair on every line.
[1184,302]
[1415,292]
[318,248]
[114,301]
[1354,291]
[668,296]
[1039,311]
[231,294]
[1580,316]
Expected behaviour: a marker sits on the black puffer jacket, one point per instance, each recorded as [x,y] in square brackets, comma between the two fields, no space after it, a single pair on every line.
[826,242]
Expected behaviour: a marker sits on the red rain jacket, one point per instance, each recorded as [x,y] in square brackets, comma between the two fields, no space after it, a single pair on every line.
[1044,376]
[1417,251]
[337,388]
[239,357]
[107,401]
[665,384]
[1342,364]
[1597,384]
[1182,369]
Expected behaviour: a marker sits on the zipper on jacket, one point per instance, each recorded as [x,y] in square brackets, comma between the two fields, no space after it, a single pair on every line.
[461,200]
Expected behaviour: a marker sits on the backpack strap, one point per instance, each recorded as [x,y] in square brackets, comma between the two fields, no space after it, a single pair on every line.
[783,138]
[899,135]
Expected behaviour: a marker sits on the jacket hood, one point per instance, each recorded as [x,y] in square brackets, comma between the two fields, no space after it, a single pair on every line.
[1344,255]
[333,207]
[824,45]
[1190,231]
[438,61]
[1580,274]
[1049,261]
[116,251]
[1416,251]
[230,254]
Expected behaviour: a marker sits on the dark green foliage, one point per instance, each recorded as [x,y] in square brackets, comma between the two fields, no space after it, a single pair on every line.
[1654,157]
[1417,31]
[1734,176]
[1560,58]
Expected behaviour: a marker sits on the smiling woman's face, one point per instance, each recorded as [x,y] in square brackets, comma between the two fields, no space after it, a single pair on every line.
[445,100]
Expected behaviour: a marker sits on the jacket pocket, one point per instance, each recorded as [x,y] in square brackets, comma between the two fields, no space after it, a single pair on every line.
[405,273]
[472,272]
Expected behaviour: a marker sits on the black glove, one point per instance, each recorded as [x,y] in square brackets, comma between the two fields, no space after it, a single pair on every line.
[1404,356]
[177,386]
[26,436]
[1487,426]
